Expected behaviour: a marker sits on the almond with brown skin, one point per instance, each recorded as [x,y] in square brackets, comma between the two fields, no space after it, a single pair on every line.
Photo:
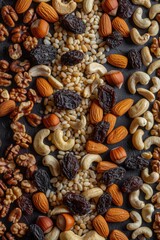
[22,6]
[7,107]
[117,60]
[47,12]
[44,88]
[120,26]
[117,135]
[116,194]
[101,226]
[122,107]
[40,202]
[104,166]
[105,26]
[95,113]
[117,235]
[116,215]
[97,148]
[112,121]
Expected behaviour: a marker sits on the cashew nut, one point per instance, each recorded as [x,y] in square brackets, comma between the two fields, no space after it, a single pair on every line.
[139,108]
[137,38]
[153,140]
[64,8]
[156,85]
[91,235]
[96,68]
[146,231]
[135,201]
[154,65]
[53,234]
[55,83]
[137,77]
[136,217]
[40,71]
[154,10]
[138,121]
[90,88]
[58,210]
[92,193]
[79,124]
[58,141]
[154,28]
[88,6]
[145,3]
[38,144]
[149,178]
[146,56]
[88,159]
[150,120]
[147,189]
[137,139]
[147,212]
[146,93]
[139,21]
[53,165]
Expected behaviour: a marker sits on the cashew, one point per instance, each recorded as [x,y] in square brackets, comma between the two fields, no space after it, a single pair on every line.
[137,77]
[38,144]
[79,124]
[146,56]
[156,85]
[145,3]
[137,139]
[138,121]
[146,93]
[153,140]
[135,201]
[154,10]
[154,28]
[39,71]
[136,217]
[58,141]
[149,178]
[88,159]
[150,120]
[90,88]
[92,193]
[147,155]
[139,108]
[139,21]
[53,234]
[55,83]
[137,38]
[64,8]
[53,165]
[147,189]
[96,68]
[154,65]
[146,231]
[58,210]
[91,235]
[147,212]
[88,6]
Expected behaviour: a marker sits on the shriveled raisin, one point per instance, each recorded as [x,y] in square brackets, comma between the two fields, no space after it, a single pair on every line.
[73,24]
[113,175]
[36,232]
[42,180]
[134,59]
[70,166]
[100,131]
[125,9]
[104,203]
[106,97]
[72,58]
[136,163]
[114,40]
[131,184]
[25,204]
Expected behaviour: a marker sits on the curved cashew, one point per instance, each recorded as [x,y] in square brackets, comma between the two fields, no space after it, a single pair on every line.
[147,212]
[38,144]
[153,140]
[136,217]
[58,141]
[92,193]
[154,10]
[146,231]
[154,28]
[64,8]
[145,3]
[137,77]
[88,6]
[156,85]
[137,139]
[53,234]
[150,120]
[79,124]
[138,121]
[149,178]
[90,88]
[147,189]
[135,201]
[91,235]
[58,210]
[146,93]
[139,21]
[96,68]
[137,38]
[139,108]
[88,159]
[55,83]
[146,56]
[154,65]
[39,71]
[53,165]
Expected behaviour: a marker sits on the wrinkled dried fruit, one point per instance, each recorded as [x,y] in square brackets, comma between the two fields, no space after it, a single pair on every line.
[73,24]
[36,232]
[42,180]
[136,163]
[104,203]
[113,175]
[72,58]
[70,166]
[100,131]
[25,204]
[134,59]
[106,97]
[131,184]
[114,40]
[125,9]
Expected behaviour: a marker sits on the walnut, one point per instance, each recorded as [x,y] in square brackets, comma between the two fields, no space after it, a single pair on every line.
[23,109]
[30,171]
[19,34]
[5,79]
[19,229]
[156,153]
[155,166]
[18,127]
[156,200]
[156,225]
[4,66]
[155,47]
[12,194]
[22,139]
[9,15]
[30,43]
[15,215]
[18,94]
[156,130]
[158,95]
[13,177]
[3,32]
[22,79]
[156,110]
[18,66]
[30,16]
[2,229]
[33,119]
[8,236]
[28,186]
[3,188]
[26,160]
[4,95]
[4,210]
[15,51]
[32,95]
[3,166]
[12,152]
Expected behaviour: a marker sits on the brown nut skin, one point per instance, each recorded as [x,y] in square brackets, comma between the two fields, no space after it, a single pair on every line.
[115,78]
[118,155]
[117,235]
[40,201]
[45,223]
[44,88]
[101,226]
[112,121]
[110,6]
[22,5]
[39,28]
[51,120]
[7,107]
[97,148]
[104,166]
[65,222]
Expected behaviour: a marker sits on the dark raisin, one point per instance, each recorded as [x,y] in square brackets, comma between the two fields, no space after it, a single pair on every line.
[73,24]
[72,58]
[66,99]
[76,203]
[100,131]
[136,163]
[141,237]
[104,203]
[106,97]
[36,232]
[43,54]
[131,184]
[42,180]
[158,72]
[114,40]
[69,166]
[25,204]
[134,59]
[113,175]
[125,9]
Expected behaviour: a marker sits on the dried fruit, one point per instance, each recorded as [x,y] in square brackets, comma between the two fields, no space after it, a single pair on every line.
[122,107]
[113,175]
[134,59]
[42,180]
[25,204]
[116,215]
[131,184]
[35,232]
[73,24]
[114,40]
[40,201]
[101,226]
[117,135]
[39,28]
[105,26]
[47,12]
[96,113]
[120,25]
[104,203]
[136,163]
[100,131]
[117,60]
[125,9]
[72,58]
[69,166]
[44,88]
[106,97]
[97,148]
[116,194]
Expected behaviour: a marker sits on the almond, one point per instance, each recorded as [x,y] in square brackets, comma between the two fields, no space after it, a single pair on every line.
[110,6]
[95,113]
[101,226]
[105,26]
[117,235]
[112,121]
[40,202]
[117,135]
[45,223]
[93,147]
[44,88]
[118,155]
[22,6]
[116,215]
[47,12]
[7,107]
[104,166]
[118,60]
[122,107]
[116,194]
[120,26]
[39,28]
[115,78]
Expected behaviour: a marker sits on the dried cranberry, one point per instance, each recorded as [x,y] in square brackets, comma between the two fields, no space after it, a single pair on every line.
[73,24]
[70,166]
[136,163]
[36,232]
[72,58]
[106,97]
[114,40]
[104,203]
[131,184]
[134,59]
[113,175]
[42,180]
[125,9]
[100,131]
[25,204]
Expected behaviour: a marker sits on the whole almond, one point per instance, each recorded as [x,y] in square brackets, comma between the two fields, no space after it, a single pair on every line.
[22,6]
[7,107]
[95,113]
[116,215]
[122,107]
[101,226]
[40,202]
[112,121]
[44,88]
[47,12]
[117,60]
[120,26]
[117,135]
[104,166]
[105,26]
[97,148]
[117,235]
[116,194]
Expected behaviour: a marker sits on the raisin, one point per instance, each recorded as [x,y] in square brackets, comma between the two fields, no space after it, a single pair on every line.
[43,54]
[125,9]
[66,99]
[106,97]
[42,180]
[76,203]
[100,131]
[73,24]
[113,175]
[114,40]
[134,59]
[104,203]
[25,204]
[72,58]
[136,163]
[158,72]
[36,232]
[141,237]
[131,184]
[70,166]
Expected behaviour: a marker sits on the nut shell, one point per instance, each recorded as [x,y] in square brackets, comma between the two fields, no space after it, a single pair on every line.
[44,88]
[22,6]
[7,107]
[39,28]
[40,202]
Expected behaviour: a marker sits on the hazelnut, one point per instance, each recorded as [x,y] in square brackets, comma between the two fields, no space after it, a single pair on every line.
[118,155]
[39,28]
[65,222]
[115,78]
[110,6]
[45,223]
[51,120]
